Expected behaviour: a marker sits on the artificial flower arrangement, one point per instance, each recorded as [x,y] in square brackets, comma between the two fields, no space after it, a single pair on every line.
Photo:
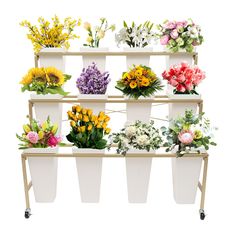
[136,35]
[53,34]
[189,134]
[139,136]
[93,81]
[38,135]
[184,78]
[177,35]
[44,81]
[139,81]
[88,130]
[99,32]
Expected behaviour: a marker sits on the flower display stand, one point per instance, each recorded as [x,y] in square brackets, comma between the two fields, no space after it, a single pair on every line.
[164,99]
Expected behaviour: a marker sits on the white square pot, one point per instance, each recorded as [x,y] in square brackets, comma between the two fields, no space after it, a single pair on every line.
[137,59]
[138,174]
[52,59]
[138,110]
[100,60]
[53,110]
[96,107]
[43,171]
[89,171]
[178,109]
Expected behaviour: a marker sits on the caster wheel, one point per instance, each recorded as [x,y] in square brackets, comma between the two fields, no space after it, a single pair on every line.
[202,215]
[27,214]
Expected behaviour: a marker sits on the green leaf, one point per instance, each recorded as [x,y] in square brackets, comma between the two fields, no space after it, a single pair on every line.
[101,144]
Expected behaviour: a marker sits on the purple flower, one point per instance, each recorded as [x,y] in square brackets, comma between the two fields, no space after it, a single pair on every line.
[170,25]
[92,81]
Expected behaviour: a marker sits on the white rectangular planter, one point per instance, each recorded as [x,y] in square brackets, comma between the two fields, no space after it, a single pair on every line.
[137,59]
[53,59]
[175,59]
[53,110]
[178,109]
[138,174]
[89,171]
[185,173]
[138,110]
[43,171]
[96,107]
[100,60]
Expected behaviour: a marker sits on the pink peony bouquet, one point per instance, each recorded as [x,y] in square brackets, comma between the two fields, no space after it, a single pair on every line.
[189,133]
[184,78]
[180,35]
[38,135]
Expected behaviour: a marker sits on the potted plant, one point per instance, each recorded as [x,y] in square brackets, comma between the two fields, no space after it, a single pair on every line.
[184,80]
[179,36]
[139,83]
[92,84]
[137,38]
[187,134]
[41,138]
[46,83]
[93,43]
[51,37]
[87,135]
[138,137]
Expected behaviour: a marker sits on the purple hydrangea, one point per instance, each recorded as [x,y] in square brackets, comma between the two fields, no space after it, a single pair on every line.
[92,81]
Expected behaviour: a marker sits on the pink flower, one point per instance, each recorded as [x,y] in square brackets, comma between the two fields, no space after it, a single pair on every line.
[164,39]
[180,24]
[189,86]
[186,137]
[170,25]
[52,141]
[174,34]
[32,137]
[180,78]
[173,82]
[59,138]
[180,88]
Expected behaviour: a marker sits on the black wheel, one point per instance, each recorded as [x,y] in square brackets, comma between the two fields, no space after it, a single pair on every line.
[202,216]
[27,213]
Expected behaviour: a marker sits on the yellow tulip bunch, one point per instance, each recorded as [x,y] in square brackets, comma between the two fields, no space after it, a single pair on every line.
[51,35]
[139,81]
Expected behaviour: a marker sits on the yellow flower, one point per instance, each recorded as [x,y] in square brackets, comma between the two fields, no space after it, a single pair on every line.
[54,76]
[133,84]
[101,113]
[138,73]
[197,134]
[126,75]
[78,109]
[37,74]
[72,123]
[84,111]
[45,126]
[40,134]
[108,130]
[104,125]
[145,82]
[89,112]
[89,127]
[26,128]
[107,118]
[87,26]
[82,129]
[74,108]
[70,115]
[99,126]
[85,119]
[80,117]
[96,122]
[89,39]
[54,128]
[93,118]
[100,34]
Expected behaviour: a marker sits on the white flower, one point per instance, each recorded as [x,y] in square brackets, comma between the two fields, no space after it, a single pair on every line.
[101,34]
[130,131]
[142,140]
[125,142]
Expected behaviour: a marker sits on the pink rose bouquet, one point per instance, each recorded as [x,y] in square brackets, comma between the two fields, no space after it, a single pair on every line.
[38,135]
[184,78]
[180,35]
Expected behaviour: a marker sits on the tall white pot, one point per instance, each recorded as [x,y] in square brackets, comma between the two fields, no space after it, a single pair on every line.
[100,60]
[175,59]
[89,171]
[178,109]
[53,110]
[136,110]
[137,59]
[43,171]
[54,58]
[185,174]
[95,106]
[138,174]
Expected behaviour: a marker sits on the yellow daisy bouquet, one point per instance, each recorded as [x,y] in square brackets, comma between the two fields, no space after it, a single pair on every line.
[53,34]
[44,81]
[87,129]
[139,81]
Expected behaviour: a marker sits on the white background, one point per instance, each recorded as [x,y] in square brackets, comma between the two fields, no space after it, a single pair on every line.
[113,215]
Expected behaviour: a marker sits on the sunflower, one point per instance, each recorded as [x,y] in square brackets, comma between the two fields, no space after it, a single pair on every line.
[54,77]
[27,79]
[145,82]
[133,84]
[36,74]
[138,72]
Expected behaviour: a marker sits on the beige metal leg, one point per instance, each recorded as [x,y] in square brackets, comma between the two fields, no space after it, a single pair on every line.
[30,110]
[26,187]
[203,188]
